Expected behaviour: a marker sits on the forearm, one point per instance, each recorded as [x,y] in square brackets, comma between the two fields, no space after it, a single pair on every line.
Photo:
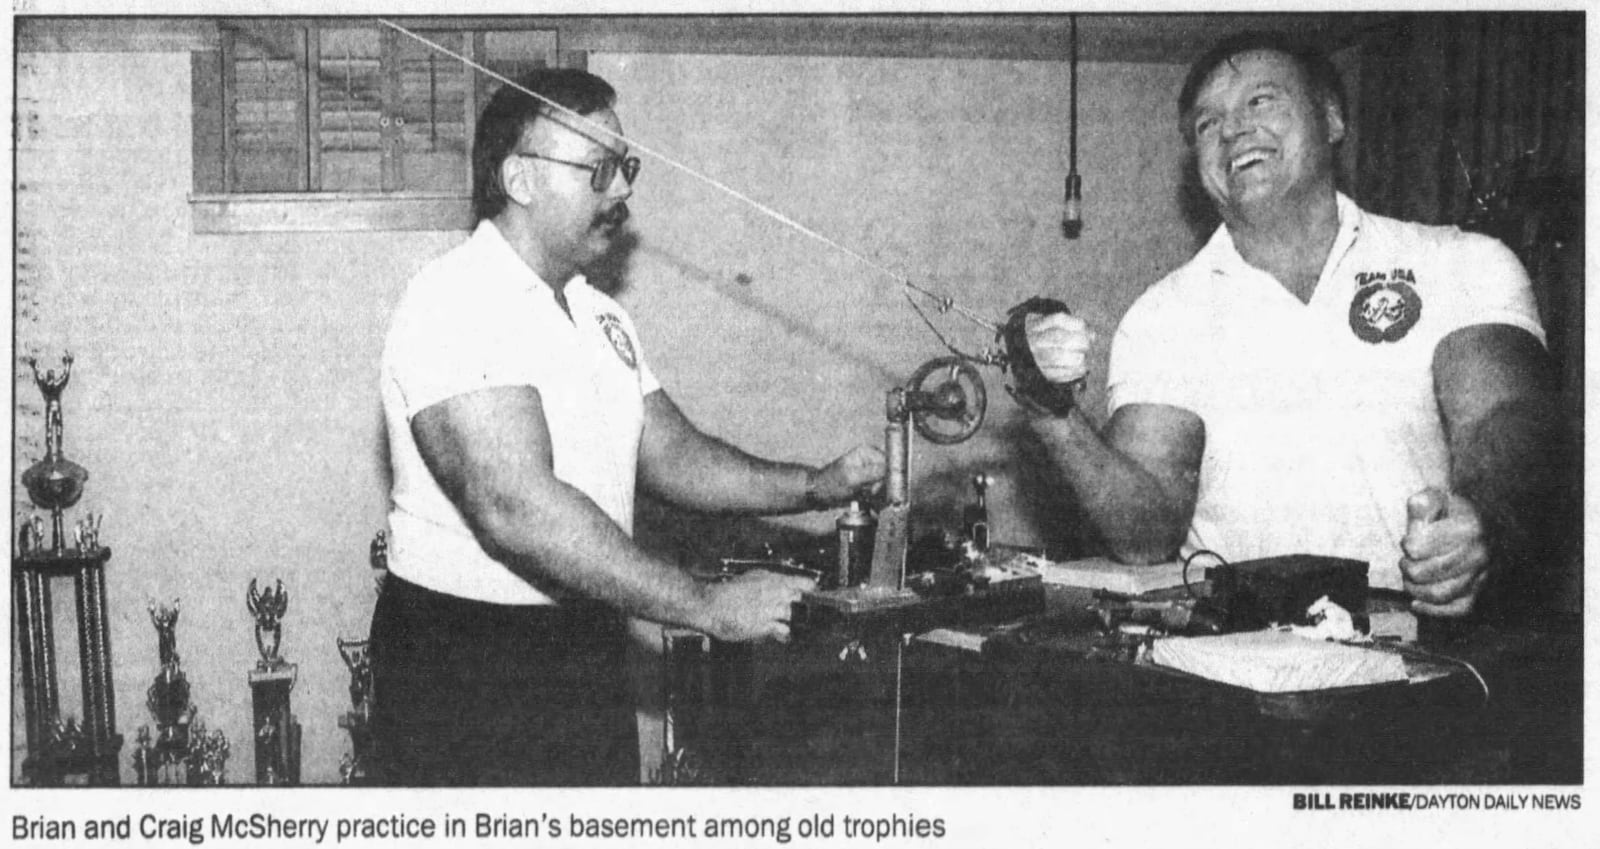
[693,469]
[1139,519]
[559,536]
[1498,403]
[1508,463]
[706,474]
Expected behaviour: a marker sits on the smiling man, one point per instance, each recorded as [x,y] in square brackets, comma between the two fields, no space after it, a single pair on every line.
[1317,379]
[521,413]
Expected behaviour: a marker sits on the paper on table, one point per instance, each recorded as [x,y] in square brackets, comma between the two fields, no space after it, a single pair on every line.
[1102,574]
[1278,661]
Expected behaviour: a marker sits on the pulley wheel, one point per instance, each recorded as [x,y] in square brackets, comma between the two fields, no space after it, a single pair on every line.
[960,401]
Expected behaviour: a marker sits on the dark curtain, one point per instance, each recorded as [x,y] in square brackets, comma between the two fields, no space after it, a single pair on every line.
[1477,120]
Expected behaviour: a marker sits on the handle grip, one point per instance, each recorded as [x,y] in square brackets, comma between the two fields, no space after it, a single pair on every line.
[1032,388]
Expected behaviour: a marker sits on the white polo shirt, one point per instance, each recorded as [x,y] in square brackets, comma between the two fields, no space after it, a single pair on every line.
[478,317]
[1320,417]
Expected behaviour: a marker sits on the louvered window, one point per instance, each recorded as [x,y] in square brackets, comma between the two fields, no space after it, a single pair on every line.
[346,125]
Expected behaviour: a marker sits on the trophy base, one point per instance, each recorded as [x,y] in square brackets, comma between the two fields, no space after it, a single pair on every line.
[277,734]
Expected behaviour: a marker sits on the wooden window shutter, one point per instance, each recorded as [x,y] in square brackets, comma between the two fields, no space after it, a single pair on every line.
[264,92]
[432,112]
[349,93]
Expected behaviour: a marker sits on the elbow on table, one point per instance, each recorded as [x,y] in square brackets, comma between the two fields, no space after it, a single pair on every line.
[1139,554]
[1147,545]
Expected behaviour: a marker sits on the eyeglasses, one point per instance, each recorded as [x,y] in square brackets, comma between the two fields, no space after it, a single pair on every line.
[602,172]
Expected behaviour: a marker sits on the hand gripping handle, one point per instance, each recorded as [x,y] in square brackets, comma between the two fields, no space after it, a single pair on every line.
[1032,389]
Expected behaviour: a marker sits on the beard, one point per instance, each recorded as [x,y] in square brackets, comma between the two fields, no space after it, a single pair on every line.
[611,219]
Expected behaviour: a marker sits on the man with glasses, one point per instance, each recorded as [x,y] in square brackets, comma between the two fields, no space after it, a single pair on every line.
[521,412]
[1317,379]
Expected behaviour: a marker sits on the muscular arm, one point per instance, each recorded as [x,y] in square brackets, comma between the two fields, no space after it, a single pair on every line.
[490,452]
[684,465]
[1497,399]
[1137,480]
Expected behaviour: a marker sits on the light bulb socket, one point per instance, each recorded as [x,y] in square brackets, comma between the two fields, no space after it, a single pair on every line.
[1072,218]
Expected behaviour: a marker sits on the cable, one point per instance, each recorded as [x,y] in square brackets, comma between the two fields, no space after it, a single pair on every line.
[1221,561]
[1418,651]
[1072,214]
[899,665]
[945,303]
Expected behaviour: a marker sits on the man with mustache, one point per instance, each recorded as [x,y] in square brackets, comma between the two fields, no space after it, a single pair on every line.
[520,413]
[1317,379]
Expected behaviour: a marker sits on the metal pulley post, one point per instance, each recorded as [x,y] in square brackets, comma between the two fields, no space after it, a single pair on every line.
[890,543]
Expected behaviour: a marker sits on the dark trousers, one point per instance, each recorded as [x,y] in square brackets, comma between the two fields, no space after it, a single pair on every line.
[467,693]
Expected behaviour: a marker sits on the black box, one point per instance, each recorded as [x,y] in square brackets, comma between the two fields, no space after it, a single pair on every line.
[1253,594]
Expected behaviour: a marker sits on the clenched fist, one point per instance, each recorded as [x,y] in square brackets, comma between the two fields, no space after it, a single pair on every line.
[755,606]
[1060,345]
[854,474]
[1446,556]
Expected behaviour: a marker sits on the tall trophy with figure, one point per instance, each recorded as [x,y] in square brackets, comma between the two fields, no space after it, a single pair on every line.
[181,751]
[353,766]
[277,732]
[62,746]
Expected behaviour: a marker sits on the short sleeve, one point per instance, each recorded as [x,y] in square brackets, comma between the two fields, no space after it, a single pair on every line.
[1492,287]
[1151,357]
[440,348]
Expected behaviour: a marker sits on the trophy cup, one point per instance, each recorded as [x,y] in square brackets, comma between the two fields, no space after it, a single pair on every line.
[172,754]
[353,766]
[57,746]
[277,732]
[54,483]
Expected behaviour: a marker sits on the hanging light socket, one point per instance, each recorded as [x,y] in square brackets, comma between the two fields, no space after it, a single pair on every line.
[1072,217]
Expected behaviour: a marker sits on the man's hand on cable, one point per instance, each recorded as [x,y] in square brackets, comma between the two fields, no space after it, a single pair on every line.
[1060,345]
[1446,556]
[755,606]
[856,473]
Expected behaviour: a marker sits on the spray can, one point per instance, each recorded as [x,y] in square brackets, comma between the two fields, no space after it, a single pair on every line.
[857,528]
[975,516]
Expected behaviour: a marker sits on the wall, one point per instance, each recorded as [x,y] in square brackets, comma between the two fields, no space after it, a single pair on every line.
[224,396]
[223,399]
[949,173]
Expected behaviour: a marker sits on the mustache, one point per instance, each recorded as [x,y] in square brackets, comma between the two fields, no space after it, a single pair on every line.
[613,217]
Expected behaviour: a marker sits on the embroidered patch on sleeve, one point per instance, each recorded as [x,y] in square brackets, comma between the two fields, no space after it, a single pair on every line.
[620,341]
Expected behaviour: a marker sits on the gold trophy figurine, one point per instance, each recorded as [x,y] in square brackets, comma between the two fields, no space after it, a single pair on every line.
[277,732]
[353,766]
[180,752]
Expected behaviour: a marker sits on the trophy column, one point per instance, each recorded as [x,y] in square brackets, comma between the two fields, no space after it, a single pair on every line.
[182,752]
[59,746]
[277,732]
[354,767]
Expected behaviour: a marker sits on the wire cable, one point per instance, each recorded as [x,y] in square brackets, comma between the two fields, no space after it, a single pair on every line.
[1427,654]
[1221,561]
[945,304]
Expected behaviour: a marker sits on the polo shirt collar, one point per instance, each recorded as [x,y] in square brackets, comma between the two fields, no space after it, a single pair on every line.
[1222,257]
[503,263]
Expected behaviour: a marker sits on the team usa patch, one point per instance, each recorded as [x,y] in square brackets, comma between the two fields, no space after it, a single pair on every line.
[620,341]
[1386,305]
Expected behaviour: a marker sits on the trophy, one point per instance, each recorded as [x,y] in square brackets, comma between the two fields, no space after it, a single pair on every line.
[54,483]
[58,746]
[181,751]
[277,732]
[353,766]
